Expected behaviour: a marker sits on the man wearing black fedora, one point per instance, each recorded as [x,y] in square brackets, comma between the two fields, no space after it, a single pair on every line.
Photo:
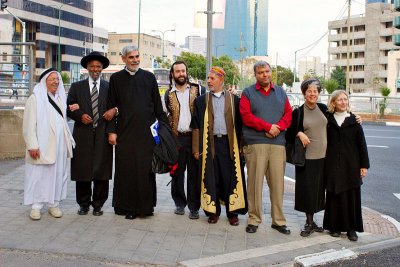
[92,161]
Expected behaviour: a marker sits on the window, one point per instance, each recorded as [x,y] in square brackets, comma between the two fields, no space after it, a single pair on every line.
[123,41]
[113,53]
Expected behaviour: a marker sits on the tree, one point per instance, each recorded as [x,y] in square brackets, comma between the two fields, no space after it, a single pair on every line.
[285,76]
[197,67]
[231,70]
[385,91]
[339,75]
[65,77]
[166,64]
[331,85]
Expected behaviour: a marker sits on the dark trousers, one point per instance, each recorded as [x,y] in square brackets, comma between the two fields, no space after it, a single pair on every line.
[223,172]
[186,162]
[85,197]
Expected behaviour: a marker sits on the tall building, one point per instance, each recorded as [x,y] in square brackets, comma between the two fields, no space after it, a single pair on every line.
[50,24]
[312,66]
[196,44]
[100,40]
[150,48]
[246,30]
[370,43]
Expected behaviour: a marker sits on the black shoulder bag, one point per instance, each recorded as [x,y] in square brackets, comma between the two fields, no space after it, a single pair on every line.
[296,152]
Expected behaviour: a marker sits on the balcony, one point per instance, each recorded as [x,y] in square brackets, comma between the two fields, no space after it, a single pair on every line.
[396,22]
[397,5]
[396,39]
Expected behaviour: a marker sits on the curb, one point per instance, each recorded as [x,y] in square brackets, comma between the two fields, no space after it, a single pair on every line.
[382,123]
[332,255]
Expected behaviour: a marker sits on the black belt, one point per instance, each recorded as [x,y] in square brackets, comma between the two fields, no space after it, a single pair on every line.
[220,135]
[184,133]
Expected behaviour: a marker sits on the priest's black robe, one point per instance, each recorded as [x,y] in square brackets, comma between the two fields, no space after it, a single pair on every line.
[139,104]
[203,142]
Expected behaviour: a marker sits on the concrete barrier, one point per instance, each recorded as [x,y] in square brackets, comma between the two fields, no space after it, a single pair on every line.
[12,144]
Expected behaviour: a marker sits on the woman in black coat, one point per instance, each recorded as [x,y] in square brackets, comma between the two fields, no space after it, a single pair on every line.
[309,125]
[346,165]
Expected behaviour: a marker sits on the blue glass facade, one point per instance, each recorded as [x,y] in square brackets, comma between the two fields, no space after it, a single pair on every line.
[246,29]
[39,31]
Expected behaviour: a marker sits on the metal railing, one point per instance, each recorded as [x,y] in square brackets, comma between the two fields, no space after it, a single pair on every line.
[17,69]
[369,104]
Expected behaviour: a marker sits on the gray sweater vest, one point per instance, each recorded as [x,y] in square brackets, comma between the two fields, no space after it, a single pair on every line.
[269,108]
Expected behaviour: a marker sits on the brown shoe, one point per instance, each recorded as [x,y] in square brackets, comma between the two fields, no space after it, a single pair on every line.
[213,218]
[234,221]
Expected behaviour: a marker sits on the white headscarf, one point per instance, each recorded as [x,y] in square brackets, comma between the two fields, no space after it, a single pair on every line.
[43,105]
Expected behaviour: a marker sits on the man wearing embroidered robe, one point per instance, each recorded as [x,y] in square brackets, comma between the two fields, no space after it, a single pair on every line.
[216,128]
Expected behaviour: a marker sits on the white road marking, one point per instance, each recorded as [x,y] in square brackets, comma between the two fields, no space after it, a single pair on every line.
[377,146]
[290,179]
[393,221]
[397,195]
[383,137]
[258,252]
[392,123]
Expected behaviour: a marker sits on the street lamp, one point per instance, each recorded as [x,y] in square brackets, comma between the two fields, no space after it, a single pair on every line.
[59,34]
[162,34]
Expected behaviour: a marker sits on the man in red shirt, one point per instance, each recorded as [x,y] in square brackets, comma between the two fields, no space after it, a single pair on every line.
[266,114]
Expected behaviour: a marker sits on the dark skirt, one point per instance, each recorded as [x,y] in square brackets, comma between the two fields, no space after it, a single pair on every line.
[343,211]
[309,189]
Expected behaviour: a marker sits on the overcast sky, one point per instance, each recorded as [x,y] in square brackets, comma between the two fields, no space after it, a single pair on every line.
[293,24]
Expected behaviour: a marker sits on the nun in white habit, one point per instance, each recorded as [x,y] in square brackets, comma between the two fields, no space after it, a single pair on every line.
[48,145]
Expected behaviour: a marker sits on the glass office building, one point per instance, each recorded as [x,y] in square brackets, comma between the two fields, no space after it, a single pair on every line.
[53,23]
[245,32]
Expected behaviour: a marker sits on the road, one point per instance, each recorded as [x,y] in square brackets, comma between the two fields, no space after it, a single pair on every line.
[383,178]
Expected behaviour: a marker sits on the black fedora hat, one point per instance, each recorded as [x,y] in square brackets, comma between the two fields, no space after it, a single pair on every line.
[95,56]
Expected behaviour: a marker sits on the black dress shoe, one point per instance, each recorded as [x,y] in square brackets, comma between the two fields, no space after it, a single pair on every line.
[97,212]
[335,234]
[251,228]
[83,210]
[121,212]
[130,216]
[352,235]
[281,229]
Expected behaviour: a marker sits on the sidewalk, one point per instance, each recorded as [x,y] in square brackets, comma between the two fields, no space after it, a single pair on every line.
[166,239]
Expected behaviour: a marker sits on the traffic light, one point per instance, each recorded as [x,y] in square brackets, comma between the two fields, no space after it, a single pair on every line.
[3,4]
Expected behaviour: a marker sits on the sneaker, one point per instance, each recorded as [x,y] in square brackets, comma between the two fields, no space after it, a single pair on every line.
[35,214]
[55,212]
[179,211]
[193,215]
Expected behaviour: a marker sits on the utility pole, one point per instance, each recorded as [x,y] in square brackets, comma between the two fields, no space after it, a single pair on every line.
[348,50]
[138,38]
[210,14]
[255,26]
[276,64]
[241,49]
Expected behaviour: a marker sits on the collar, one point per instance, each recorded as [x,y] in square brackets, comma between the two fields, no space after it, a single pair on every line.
[219,94]
[91,82]
[130,72]
[271,86]
[176,89]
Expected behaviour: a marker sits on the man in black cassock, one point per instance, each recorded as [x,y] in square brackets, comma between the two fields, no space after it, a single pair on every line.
[134,92]
[216,125]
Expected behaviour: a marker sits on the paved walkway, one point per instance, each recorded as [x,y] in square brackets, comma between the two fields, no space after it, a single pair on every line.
[165,239]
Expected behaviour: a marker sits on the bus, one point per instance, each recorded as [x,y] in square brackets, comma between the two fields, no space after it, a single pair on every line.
[162,75]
